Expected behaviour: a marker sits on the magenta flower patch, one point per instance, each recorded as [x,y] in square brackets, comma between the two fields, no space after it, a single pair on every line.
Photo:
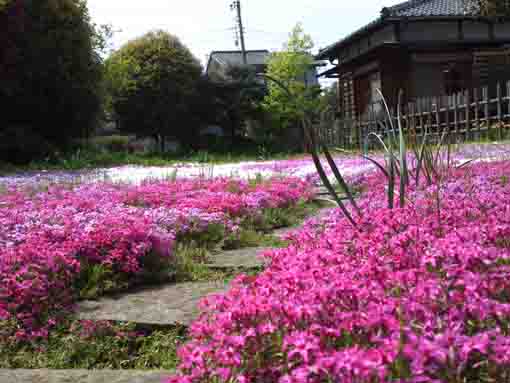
[48,239]
[419,294]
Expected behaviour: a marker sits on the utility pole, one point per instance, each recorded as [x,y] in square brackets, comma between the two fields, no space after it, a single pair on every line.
[236,5]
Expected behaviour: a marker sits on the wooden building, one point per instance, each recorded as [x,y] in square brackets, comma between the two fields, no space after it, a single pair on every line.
[424,47]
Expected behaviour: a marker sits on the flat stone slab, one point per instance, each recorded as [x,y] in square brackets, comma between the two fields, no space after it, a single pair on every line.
[82,376]
[323,191]
[319,214]
[163,305]
[247,258]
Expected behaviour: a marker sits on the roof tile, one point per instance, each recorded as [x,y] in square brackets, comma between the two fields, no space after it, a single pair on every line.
[236,57]
[423,8]
[413,8]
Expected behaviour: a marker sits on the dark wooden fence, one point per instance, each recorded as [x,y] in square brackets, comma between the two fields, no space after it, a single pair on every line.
[482,113]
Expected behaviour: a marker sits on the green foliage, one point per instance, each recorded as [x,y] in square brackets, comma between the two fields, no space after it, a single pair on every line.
[251,238]
[50,73]
[112,144]
[329,98]
[110,346]
[289,67]
[92,158]
[98,280]
[275,218]
[191,264]
[4,4]
[152,83]
[236,99]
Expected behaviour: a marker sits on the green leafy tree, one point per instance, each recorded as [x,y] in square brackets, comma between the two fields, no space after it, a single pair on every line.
[290,100]
[153,83]
[238,99]
[50,73]
[329,98]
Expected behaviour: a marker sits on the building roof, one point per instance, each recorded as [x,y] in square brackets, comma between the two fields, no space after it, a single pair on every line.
[234,58]
[424,8]
[410,8]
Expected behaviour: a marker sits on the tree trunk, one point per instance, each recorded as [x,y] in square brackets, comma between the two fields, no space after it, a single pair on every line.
[162,143]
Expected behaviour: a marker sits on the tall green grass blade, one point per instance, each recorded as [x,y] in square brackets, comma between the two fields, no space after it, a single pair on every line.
[464,164]
[340,179]
[420,158]
[323,176]
[438,149]
[391,183]
[379,138]
[378,165]
[388,113]
[448,153]
[404,176]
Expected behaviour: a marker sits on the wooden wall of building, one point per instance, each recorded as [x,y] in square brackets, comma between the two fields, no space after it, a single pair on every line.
[395,74]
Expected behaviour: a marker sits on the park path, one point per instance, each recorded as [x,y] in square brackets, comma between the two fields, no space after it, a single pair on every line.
[162,305]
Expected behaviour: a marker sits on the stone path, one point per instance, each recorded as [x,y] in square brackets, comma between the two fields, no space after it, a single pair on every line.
[82,376]
[174,303]
[248,258]
[164,305]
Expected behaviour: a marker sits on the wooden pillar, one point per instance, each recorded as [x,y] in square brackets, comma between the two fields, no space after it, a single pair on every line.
[500,104]
[468,115]
[485,100]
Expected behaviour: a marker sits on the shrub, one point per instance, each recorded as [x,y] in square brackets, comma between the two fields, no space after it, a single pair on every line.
[49,70]
[20,144]
[112,144]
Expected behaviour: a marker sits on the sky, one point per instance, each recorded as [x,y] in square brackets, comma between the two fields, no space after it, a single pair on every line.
[207,25]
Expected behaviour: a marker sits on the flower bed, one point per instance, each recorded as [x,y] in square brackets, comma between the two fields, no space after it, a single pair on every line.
[53,241]
[419,294]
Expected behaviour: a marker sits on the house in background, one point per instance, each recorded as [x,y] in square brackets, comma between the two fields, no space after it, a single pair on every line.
[217,70]
[220,61]
[424,47]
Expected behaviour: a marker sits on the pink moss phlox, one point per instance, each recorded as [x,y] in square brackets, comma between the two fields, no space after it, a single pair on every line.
[420,294]
[48,238]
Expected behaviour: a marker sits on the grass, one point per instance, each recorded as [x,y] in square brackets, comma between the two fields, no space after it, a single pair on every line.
[109,346]
[193,254]
[92,159]
[252,238]
[272,219]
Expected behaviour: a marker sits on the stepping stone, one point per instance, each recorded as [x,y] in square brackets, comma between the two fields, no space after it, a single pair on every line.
[247,258]
[319,214]
[325,193]
[328,200]
[160,306]
[82,376]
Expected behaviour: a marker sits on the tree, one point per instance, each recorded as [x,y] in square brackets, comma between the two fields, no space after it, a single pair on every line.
[290,99]
[489,8]
[50,74]
[153,83]
[329,98]
[239,98]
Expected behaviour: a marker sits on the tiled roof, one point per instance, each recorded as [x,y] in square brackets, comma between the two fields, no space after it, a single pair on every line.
[423,8]
[412,8]
[236,57]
